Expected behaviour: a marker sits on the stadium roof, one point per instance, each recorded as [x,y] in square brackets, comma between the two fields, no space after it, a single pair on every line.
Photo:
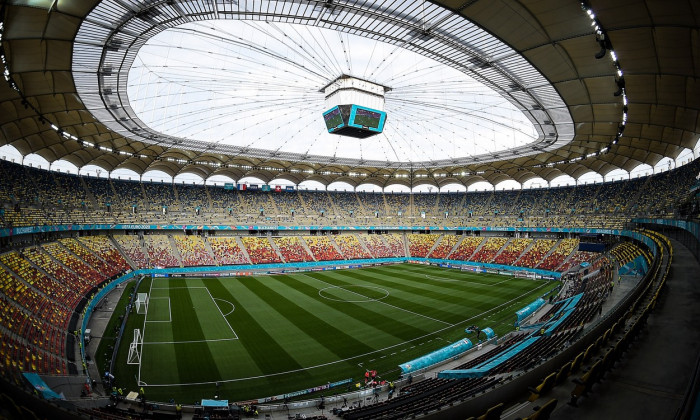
[67,91]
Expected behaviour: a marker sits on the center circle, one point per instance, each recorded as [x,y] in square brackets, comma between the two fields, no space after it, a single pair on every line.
[353,293]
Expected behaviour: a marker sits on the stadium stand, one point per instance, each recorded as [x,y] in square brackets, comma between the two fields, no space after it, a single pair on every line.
[322,249]
[395,242]
[533,256]
[445,246]
[65,236]
[193,251]
[489,249]
[37,197]
[227,251]
[292,249]
[350,247]
[557,257]
[131,246]
[576,259]
[103,247]
[420,245]
[260,250]
[466,248]
[512,251]
[160,251]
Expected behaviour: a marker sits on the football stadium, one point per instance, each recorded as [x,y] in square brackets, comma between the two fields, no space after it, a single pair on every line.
[336,209]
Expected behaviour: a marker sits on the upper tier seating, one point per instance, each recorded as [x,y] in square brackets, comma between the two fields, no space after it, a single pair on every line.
[31,196]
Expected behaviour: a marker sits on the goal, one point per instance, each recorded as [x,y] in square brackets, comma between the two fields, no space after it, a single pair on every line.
[141,303]
[135,347]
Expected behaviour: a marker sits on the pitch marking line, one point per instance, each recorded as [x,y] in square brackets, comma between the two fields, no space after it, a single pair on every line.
[191,341]
[233,307]
[383,303]
[222,314]
[440,278]
[143,337]
[354,357]
[170,312]
[419,270]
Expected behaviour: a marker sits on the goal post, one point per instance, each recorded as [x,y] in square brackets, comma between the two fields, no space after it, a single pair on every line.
[135,347]
[141,303]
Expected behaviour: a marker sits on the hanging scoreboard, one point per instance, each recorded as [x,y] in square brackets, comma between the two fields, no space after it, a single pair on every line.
[354,121]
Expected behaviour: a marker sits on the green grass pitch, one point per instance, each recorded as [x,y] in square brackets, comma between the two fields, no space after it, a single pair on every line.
[269,335]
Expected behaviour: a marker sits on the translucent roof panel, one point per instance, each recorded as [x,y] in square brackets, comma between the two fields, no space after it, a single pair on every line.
[255,84]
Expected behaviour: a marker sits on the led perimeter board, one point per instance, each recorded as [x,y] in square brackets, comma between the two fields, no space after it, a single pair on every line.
[354,121]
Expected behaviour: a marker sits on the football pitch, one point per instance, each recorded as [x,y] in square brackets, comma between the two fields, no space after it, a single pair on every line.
[260,336]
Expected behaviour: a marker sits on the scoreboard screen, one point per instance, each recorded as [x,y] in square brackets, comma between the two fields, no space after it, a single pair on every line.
[333,118]
[354,121]
[367,118]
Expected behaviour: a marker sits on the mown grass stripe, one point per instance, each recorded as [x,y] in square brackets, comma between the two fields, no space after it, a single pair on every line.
[486,283]
[368,312]
[333,338]
[268,354]
[466,295]
[431,272]
[304,349]
[194,359]
[433,309]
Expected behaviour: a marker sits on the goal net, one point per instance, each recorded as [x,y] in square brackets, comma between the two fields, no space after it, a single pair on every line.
[141,303]
[134,357]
